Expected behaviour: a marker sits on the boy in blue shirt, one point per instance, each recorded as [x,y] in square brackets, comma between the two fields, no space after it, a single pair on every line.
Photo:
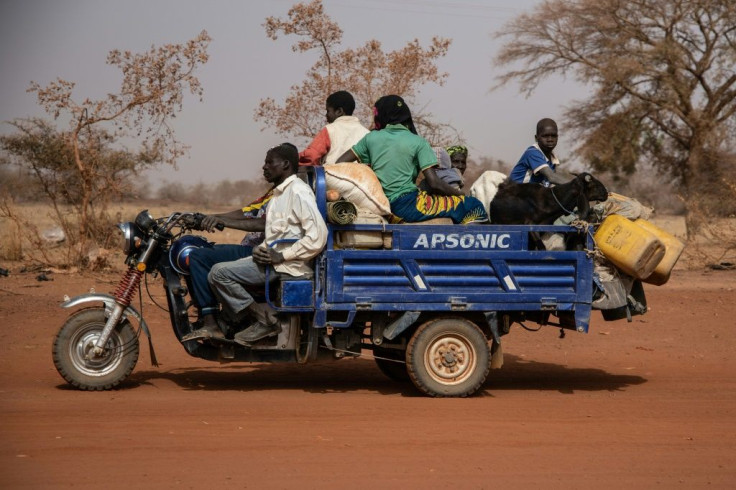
[539,164]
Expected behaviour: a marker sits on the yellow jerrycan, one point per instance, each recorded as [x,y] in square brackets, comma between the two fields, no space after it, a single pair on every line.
[633,249]
[673,248]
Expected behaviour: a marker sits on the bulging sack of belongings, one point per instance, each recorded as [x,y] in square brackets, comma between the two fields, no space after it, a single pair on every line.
[614,285]
[627,207]
[358,184]
[486,186]
[621,296]
[553,241]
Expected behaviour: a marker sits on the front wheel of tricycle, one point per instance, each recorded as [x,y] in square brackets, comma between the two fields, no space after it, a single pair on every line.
[448,357]
[72,351]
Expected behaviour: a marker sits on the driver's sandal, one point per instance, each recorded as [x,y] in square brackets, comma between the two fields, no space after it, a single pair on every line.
[204,333]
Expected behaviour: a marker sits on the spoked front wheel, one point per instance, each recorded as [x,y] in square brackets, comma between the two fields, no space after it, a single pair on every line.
[73,346]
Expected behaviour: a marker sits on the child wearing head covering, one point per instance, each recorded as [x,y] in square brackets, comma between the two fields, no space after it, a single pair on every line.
[458,157]
[444,170]
[391,109]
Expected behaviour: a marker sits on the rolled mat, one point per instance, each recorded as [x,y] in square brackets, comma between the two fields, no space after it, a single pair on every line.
[341,212]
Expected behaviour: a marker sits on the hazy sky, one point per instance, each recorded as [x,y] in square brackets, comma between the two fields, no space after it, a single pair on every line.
[70,39]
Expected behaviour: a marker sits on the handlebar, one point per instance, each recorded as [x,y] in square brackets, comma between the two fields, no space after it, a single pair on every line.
[198,217]
[191,221]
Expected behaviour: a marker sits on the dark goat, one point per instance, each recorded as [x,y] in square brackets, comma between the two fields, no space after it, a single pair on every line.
[534,204]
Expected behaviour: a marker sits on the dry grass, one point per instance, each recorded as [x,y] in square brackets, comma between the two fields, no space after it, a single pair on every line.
[11,247]
[713,245]
[17,244]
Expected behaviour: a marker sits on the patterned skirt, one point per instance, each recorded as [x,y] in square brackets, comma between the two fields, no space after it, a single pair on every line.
[419,206]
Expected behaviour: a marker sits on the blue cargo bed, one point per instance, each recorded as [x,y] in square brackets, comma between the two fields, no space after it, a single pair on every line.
[456,268]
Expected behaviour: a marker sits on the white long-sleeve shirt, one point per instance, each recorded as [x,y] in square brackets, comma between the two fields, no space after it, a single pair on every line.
[292,214]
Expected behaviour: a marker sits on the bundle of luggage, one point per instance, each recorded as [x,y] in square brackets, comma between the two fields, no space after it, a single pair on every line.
[633,249]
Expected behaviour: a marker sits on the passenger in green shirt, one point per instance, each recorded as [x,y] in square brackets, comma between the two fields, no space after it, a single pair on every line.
[397,154]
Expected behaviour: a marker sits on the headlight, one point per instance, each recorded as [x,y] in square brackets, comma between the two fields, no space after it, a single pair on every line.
[132,237]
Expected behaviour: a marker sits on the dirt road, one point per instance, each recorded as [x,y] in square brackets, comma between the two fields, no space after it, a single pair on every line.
[645,404]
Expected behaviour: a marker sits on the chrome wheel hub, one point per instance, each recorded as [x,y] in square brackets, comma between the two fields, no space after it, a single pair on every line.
[450,359]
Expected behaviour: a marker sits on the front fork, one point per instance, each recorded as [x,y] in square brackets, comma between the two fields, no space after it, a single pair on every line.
[123,295]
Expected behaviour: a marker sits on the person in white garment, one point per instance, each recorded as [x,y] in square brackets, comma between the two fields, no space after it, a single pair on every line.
[291,214]
[342,131]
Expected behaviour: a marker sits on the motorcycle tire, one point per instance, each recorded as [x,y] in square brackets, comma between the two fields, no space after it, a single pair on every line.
[77,337]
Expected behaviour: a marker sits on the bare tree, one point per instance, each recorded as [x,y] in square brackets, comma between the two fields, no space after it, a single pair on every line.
[151,94]
[665,78]
[38,148]
[367,72]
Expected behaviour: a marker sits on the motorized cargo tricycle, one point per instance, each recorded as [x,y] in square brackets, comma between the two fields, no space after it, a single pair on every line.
[429,302]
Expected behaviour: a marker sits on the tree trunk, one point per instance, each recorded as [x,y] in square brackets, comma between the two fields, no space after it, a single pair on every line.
[707,192]
[86,187]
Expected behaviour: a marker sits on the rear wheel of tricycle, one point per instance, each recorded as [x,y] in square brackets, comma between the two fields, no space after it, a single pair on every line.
[72,351]
[448,357]
[308,341]
[392,363]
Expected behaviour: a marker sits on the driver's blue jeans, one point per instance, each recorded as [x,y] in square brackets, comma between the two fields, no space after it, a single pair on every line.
[201,261]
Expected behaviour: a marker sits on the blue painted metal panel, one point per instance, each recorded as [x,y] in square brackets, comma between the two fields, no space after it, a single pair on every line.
[419,237]
[415,276]
[432,275]
[297,294]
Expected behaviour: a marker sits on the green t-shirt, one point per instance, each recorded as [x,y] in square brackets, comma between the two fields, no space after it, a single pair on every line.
[396,155]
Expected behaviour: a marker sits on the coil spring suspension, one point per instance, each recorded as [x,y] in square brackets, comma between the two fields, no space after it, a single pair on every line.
[127,287]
